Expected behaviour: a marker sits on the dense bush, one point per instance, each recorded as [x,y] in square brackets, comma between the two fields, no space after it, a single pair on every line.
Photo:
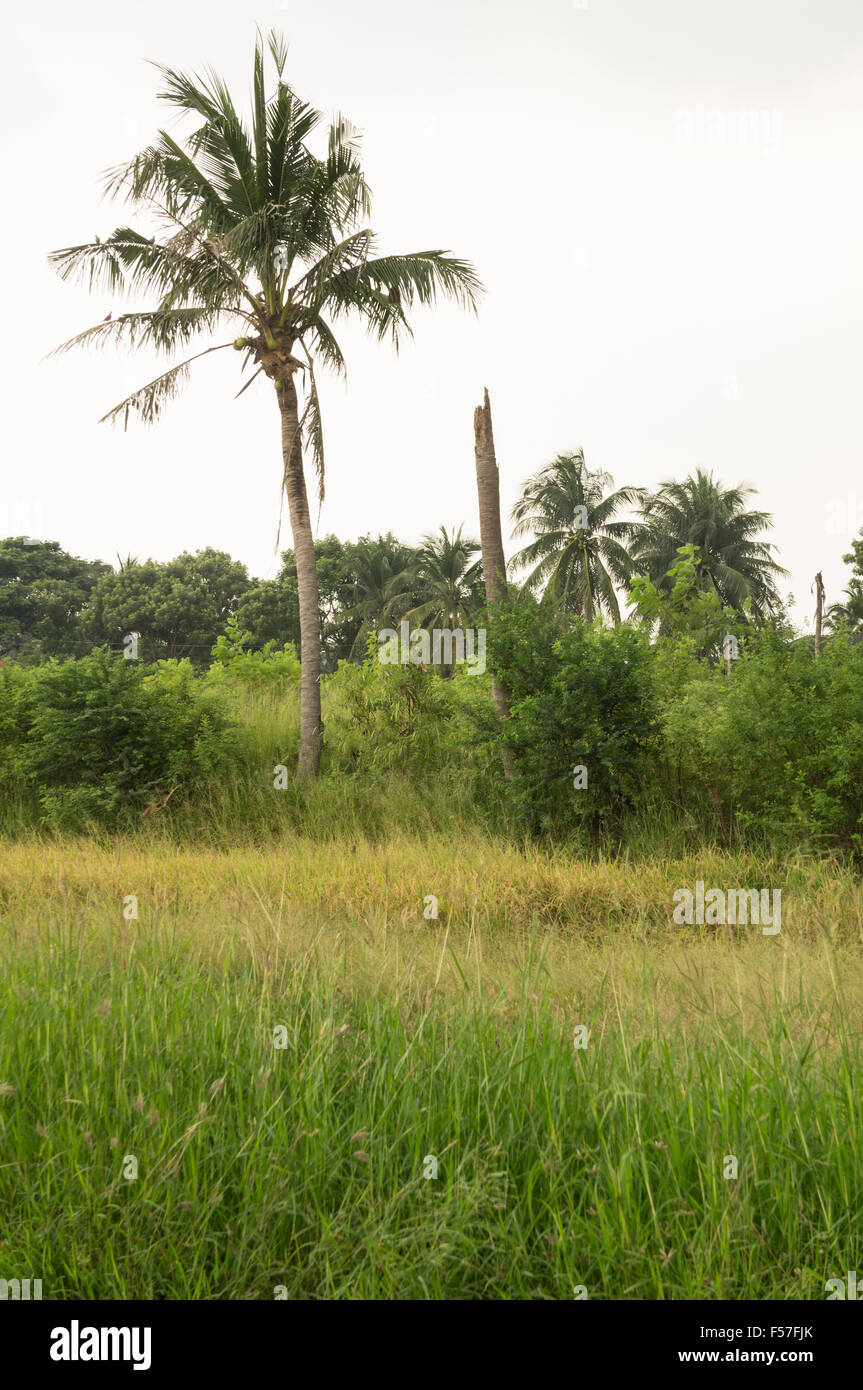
[774,749]
[789,747]
[272,668]
[671,745]
[381,716]
[581,697]
[99,740]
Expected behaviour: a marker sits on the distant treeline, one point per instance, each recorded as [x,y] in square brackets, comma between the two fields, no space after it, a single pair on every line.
[690,560]
[53,604]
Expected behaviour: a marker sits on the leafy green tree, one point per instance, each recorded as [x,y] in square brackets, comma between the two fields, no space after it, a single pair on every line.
[43,590]
[255,231]
[701,512]
[177,609]
[269,612]
[579,552]
[389,716]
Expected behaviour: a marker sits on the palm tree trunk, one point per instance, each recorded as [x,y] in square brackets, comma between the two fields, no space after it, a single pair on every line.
[307,582]
[493,559]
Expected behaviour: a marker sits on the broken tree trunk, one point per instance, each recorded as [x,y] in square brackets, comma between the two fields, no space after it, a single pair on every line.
[819,611]
[493,560]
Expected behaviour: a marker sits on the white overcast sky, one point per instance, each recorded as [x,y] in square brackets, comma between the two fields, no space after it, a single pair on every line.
[663,199]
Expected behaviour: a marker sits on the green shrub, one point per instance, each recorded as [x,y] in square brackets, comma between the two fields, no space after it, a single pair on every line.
[581,696]
[99,740]
[381,716]
[788,749]
[272,668]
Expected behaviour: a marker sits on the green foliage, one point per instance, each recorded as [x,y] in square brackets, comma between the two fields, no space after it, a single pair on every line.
[774,751]
[388,716]
[17,686]
[790,745]
[269,611]
[684,609]
[580,696]
[42,592]
[270,668]
[177,608]
[849,614]
[701,512]
[98,741]
[579,551]
[674,746]
[383,587]
[451,582]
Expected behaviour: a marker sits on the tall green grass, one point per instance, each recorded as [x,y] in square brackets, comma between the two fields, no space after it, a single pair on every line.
[261,1168]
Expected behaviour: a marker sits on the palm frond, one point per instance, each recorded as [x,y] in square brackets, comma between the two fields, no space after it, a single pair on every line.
[149,401]
[349,254]
[424,275]
[278,49]
[311,428]
[186,267]
[323,344]
[164,330]
[97,263]
[259,110]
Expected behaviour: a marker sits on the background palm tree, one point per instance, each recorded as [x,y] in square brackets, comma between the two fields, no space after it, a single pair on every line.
[700,512]
[848,614]
[384,579]
[253,229]
[451,582]
[579,553]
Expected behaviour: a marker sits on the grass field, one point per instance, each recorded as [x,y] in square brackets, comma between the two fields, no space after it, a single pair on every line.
[286,1047]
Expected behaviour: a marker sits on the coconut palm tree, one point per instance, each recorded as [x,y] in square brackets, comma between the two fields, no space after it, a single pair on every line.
[849,614]
[451,581]
[579,552]
[254,230]
[383,578]
[701,512]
